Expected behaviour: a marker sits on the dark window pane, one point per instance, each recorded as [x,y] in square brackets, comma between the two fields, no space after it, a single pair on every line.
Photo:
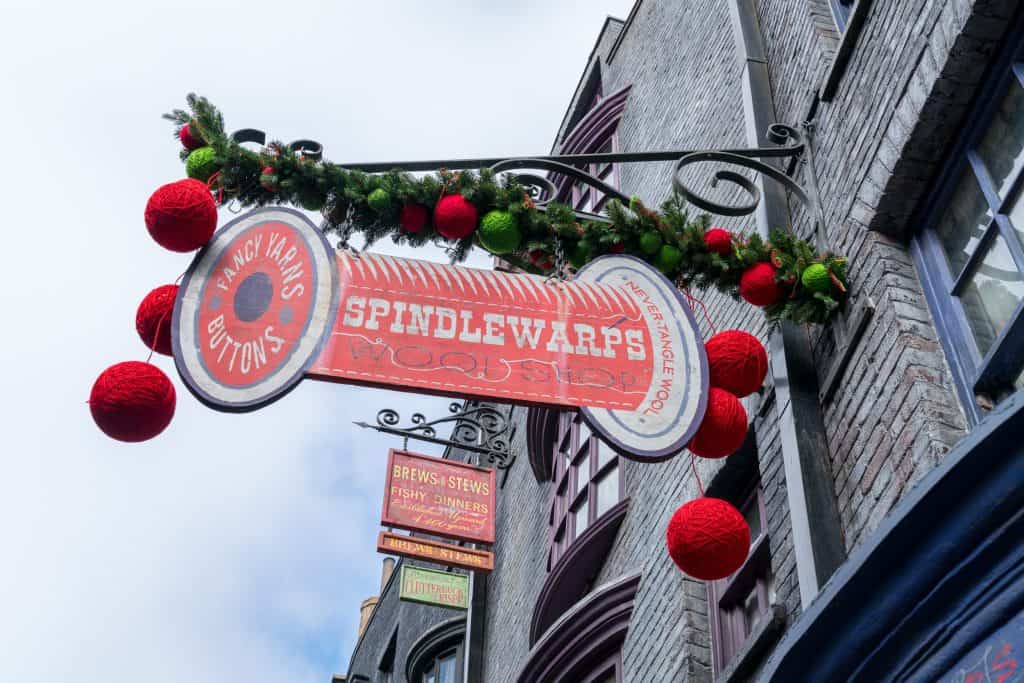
[752,513]
[1002,149]
[607,491]
[991,294]
[963,223]
[751,610]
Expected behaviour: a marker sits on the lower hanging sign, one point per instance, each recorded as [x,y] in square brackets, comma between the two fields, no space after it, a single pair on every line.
[433,551]
[268,302]
[431,587]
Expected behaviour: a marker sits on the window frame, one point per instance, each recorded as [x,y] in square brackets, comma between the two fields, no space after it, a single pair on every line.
[567,493]
[841,11]
[975,374]
[727,597]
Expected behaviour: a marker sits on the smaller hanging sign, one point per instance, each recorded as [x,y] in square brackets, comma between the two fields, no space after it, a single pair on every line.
[439,497]
[431,587]
[432,551]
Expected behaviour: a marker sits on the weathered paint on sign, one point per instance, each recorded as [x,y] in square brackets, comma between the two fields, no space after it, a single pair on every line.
[433,551]
[439,497]
[431,587]
[268,302]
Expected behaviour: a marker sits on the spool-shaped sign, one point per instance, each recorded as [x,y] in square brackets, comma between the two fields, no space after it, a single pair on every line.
[268,302]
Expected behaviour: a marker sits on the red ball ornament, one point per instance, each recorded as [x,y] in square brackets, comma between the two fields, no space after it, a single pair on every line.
[181,216]
[455,217]
[758,286]
[132,401]
[708,538]
[413,217]
[268,179]
[723,428]
[618,248]
[718,240]
[188,140]
[737,362]
[153,318]
[542,259]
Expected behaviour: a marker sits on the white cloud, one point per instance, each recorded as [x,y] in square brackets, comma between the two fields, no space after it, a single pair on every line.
[231,547]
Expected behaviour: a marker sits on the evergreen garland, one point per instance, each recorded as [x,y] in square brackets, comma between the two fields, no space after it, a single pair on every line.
[277,175]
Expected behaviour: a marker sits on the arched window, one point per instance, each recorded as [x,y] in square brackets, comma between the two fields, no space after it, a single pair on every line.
[437,656]
[584,645]
[588,483]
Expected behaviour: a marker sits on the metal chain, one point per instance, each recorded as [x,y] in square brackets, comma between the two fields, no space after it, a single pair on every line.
[347,226]
[559,273]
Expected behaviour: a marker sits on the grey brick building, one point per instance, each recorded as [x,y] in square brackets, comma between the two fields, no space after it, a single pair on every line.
[883,471]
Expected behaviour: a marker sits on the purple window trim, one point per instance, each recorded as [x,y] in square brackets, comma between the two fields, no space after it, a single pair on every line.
[585,638]
[568,494]
[595,129]
[726,598]
[571,578]
[542,429]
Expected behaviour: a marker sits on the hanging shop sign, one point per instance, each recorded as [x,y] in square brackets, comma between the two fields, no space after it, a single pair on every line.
[431,587]
[268,302]
[432,551]
[439,497]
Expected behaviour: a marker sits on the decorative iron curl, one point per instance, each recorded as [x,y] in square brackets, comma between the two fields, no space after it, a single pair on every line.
[791,144]
[546,190]
[480,429]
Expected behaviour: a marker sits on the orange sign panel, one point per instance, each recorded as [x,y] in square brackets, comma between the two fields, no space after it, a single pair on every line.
[432,551]
[439,497]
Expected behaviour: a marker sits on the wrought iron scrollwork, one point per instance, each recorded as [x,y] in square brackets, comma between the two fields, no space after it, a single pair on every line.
[484,430]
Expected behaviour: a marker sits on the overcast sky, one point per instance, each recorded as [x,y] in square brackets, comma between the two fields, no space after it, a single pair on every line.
[232,547]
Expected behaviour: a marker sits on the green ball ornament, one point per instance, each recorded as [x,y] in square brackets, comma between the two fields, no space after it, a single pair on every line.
[379,200]
[650,242]
[499,232]
[815,278]
[201,164]
[668,259]
[581,253]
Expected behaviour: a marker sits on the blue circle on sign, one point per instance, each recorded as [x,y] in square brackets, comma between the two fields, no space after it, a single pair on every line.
[253,297]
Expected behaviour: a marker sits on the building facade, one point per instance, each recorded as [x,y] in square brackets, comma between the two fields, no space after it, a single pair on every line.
[883,472]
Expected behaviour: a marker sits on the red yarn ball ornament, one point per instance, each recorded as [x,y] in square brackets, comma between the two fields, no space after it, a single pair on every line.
[132,401]
[268,179]
[413,217]
[153,318]
[737,362]
[455,217]
[542,259]
[188,140]
[708,538]
[718,240]
[723,428]
[181,216]
[758,286]
[617,248]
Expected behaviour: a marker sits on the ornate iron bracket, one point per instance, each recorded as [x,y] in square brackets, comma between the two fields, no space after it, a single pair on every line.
[479,429]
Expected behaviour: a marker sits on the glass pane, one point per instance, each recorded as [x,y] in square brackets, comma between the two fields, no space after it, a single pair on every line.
[992,294]
[751,610]
[429,677]
[582,474]
[584,434]
[446,669]
[963,223]
[1016,214]
[752,513]
[1002,149]
[579,514]
[607,490]
[605,454]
